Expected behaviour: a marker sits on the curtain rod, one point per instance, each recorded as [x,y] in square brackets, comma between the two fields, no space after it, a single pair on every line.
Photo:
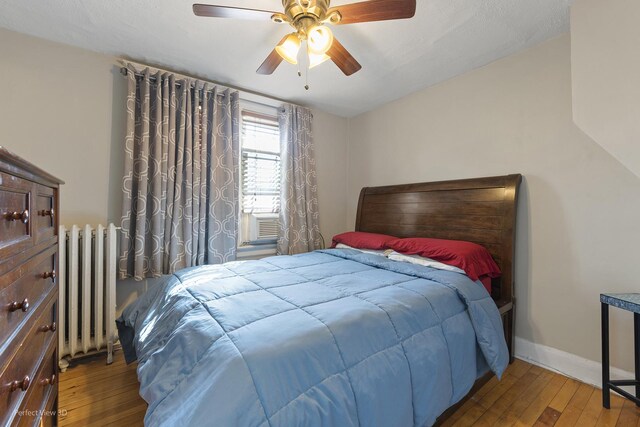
[124,71]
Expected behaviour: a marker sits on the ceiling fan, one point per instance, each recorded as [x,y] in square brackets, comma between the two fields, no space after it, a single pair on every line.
[308,18]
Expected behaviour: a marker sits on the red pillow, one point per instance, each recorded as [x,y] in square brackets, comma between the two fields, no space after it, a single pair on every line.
[474,259]
[361,240]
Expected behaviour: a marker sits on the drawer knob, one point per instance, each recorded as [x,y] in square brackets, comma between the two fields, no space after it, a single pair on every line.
[49,212]
[24,306]
[52,327]
[20,385]
[51,274]
[19,216]
[48,381]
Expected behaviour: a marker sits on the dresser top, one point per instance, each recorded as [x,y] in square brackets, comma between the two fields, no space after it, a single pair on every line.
[630,302]
[15,165]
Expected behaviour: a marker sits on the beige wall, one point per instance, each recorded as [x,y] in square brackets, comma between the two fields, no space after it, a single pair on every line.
[605,64]
[59,110]
[579,209]
[330,136]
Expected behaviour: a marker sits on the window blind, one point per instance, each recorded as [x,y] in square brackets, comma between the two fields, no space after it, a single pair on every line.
[260,164]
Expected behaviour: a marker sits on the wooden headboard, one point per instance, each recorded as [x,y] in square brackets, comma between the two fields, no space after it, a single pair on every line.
[479,210]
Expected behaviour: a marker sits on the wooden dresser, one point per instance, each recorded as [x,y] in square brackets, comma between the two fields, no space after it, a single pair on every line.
[28,293]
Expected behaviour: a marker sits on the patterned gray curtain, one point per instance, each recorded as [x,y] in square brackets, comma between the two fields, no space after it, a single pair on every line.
[181,175]
[299,227]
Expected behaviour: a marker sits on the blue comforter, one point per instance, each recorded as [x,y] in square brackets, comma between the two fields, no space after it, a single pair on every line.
[329,338]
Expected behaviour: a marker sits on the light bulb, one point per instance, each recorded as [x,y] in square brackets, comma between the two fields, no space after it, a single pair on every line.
[315,60]
[289,49]
[320,39]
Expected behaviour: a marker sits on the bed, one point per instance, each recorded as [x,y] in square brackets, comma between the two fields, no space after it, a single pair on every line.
[334,337]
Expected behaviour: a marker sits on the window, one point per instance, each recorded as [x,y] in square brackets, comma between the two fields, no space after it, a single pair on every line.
[260,178]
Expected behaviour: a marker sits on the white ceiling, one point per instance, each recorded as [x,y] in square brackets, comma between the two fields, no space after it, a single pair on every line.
[446,38]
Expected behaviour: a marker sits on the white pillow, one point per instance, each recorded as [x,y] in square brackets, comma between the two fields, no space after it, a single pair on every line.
[366,251]
[419,260]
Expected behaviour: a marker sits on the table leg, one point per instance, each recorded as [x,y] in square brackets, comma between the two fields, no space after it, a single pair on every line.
[636,332]
[606,392]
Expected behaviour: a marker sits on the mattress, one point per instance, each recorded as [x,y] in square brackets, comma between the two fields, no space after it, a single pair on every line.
[333,337]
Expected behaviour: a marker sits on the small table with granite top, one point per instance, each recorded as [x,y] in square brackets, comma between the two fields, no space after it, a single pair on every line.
[629,302]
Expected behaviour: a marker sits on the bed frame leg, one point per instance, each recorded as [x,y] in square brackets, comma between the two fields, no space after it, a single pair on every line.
[507,321]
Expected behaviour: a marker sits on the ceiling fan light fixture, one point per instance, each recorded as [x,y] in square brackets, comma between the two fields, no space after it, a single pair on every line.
[289,49]
[315,60]
[308,18]
[320,39]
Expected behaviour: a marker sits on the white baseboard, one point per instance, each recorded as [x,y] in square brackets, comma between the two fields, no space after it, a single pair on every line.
[567,364]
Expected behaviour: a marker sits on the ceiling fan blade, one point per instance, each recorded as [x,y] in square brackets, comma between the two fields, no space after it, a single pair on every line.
[231,12]
[375,10]
[343,59]
[273,60]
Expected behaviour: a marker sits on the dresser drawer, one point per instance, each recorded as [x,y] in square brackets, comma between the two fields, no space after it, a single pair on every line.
[15,215]
[17,379]
[44,216]
[44,383]
[28,290]
[23,289]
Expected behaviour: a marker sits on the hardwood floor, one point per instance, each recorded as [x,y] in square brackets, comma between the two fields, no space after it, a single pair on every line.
[94,394]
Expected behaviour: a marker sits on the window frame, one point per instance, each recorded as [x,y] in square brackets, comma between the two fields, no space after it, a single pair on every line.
[247,248]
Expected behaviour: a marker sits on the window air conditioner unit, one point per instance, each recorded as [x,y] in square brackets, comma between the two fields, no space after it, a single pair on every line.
[263,227]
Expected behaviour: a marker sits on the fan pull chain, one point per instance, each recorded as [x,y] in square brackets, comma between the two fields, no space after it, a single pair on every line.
[306,65]
[306,86]
[298,65]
